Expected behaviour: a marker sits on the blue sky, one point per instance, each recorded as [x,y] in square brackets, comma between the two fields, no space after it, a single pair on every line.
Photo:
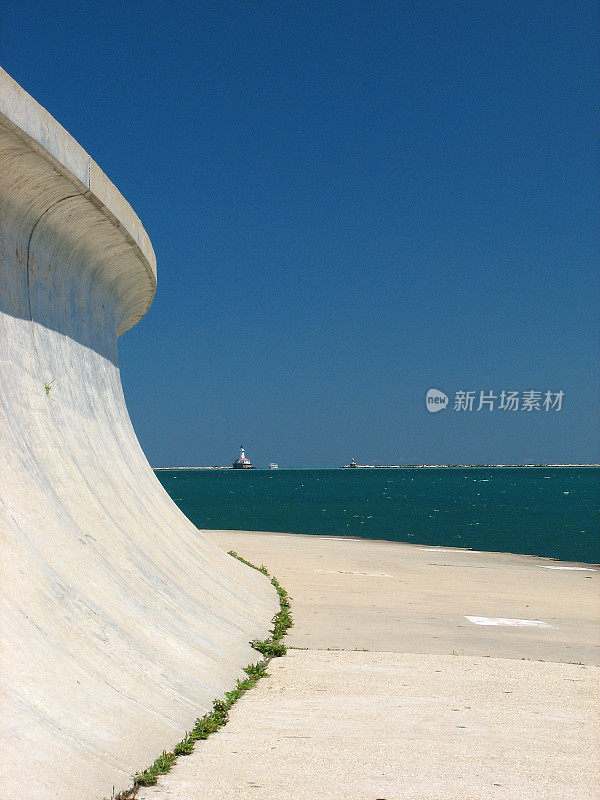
[350,203]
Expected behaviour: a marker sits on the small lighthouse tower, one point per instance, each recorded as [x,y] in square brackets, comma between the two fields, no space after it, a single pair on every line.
[242,462]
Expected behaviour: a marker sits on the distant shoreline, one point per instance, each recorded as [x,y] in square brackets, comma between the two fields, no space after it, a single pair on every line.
[402,466]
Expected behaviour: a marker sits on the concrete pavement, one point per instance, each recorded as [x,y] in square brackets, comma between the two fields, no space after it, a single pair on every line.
[399,597]
[360,726]
[408,720]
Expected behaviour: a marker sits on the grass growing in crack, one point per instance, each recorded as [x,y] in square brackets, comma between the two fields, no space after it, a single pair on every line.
[271,647]
[262,567]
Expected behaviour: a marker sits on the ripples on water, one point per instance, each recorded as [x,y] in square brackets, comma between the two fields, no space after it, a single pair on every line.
[551,512]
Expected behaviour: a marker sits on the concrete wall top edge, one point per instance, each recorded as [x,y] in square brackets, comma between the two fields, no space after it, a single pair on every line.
[43,134]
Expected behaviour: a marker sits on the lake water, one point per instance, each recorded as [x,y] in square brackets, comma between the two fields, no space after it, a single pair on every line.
[545,511]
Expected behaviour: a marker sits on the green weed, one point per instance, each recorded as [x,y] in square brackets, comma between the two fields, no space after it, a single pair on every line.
[215,719]
[272,647]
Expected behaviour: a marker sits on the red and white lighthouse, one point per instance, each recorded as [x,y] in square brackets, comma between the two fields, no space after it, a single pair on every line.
[242,462]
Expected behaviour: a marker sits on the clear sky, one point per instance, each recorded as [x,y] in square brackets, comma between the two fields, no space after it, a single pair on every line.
[351,203]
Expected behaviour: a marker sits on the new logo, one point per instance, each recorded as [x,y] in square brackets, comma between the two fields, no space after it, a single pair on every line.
[435,400]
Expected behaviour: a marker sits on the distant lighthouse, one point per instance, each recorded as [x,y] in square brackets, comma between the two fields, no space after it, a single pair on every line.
[242,462]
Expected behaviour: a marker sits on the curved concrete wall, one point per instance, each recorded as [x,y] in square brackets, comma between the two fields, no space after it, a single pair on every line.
[119,622]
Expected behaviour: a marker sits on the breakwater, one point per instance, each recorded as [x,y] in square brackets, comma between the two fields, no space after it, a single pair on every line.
[120,623]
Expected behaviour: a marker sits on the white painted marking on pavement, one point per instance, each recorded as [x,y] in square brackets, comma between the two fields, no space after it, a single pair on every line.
[516,623]
[347,572]
[339,539]
[446,550]
[580,569]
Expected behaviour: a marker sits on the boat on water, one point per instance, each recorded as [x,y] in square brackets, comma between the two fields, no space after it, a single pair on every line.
[242,462]
[273,465]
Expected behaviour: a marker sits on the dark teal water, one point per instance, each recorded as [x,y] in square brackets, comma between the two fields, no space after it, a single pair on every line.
[552,512]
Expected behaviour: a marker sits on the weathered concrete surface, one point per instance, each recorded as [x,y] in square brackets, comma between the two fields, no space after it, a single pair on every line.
[119,622]
[424,725]
[411,599]
[400,726]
